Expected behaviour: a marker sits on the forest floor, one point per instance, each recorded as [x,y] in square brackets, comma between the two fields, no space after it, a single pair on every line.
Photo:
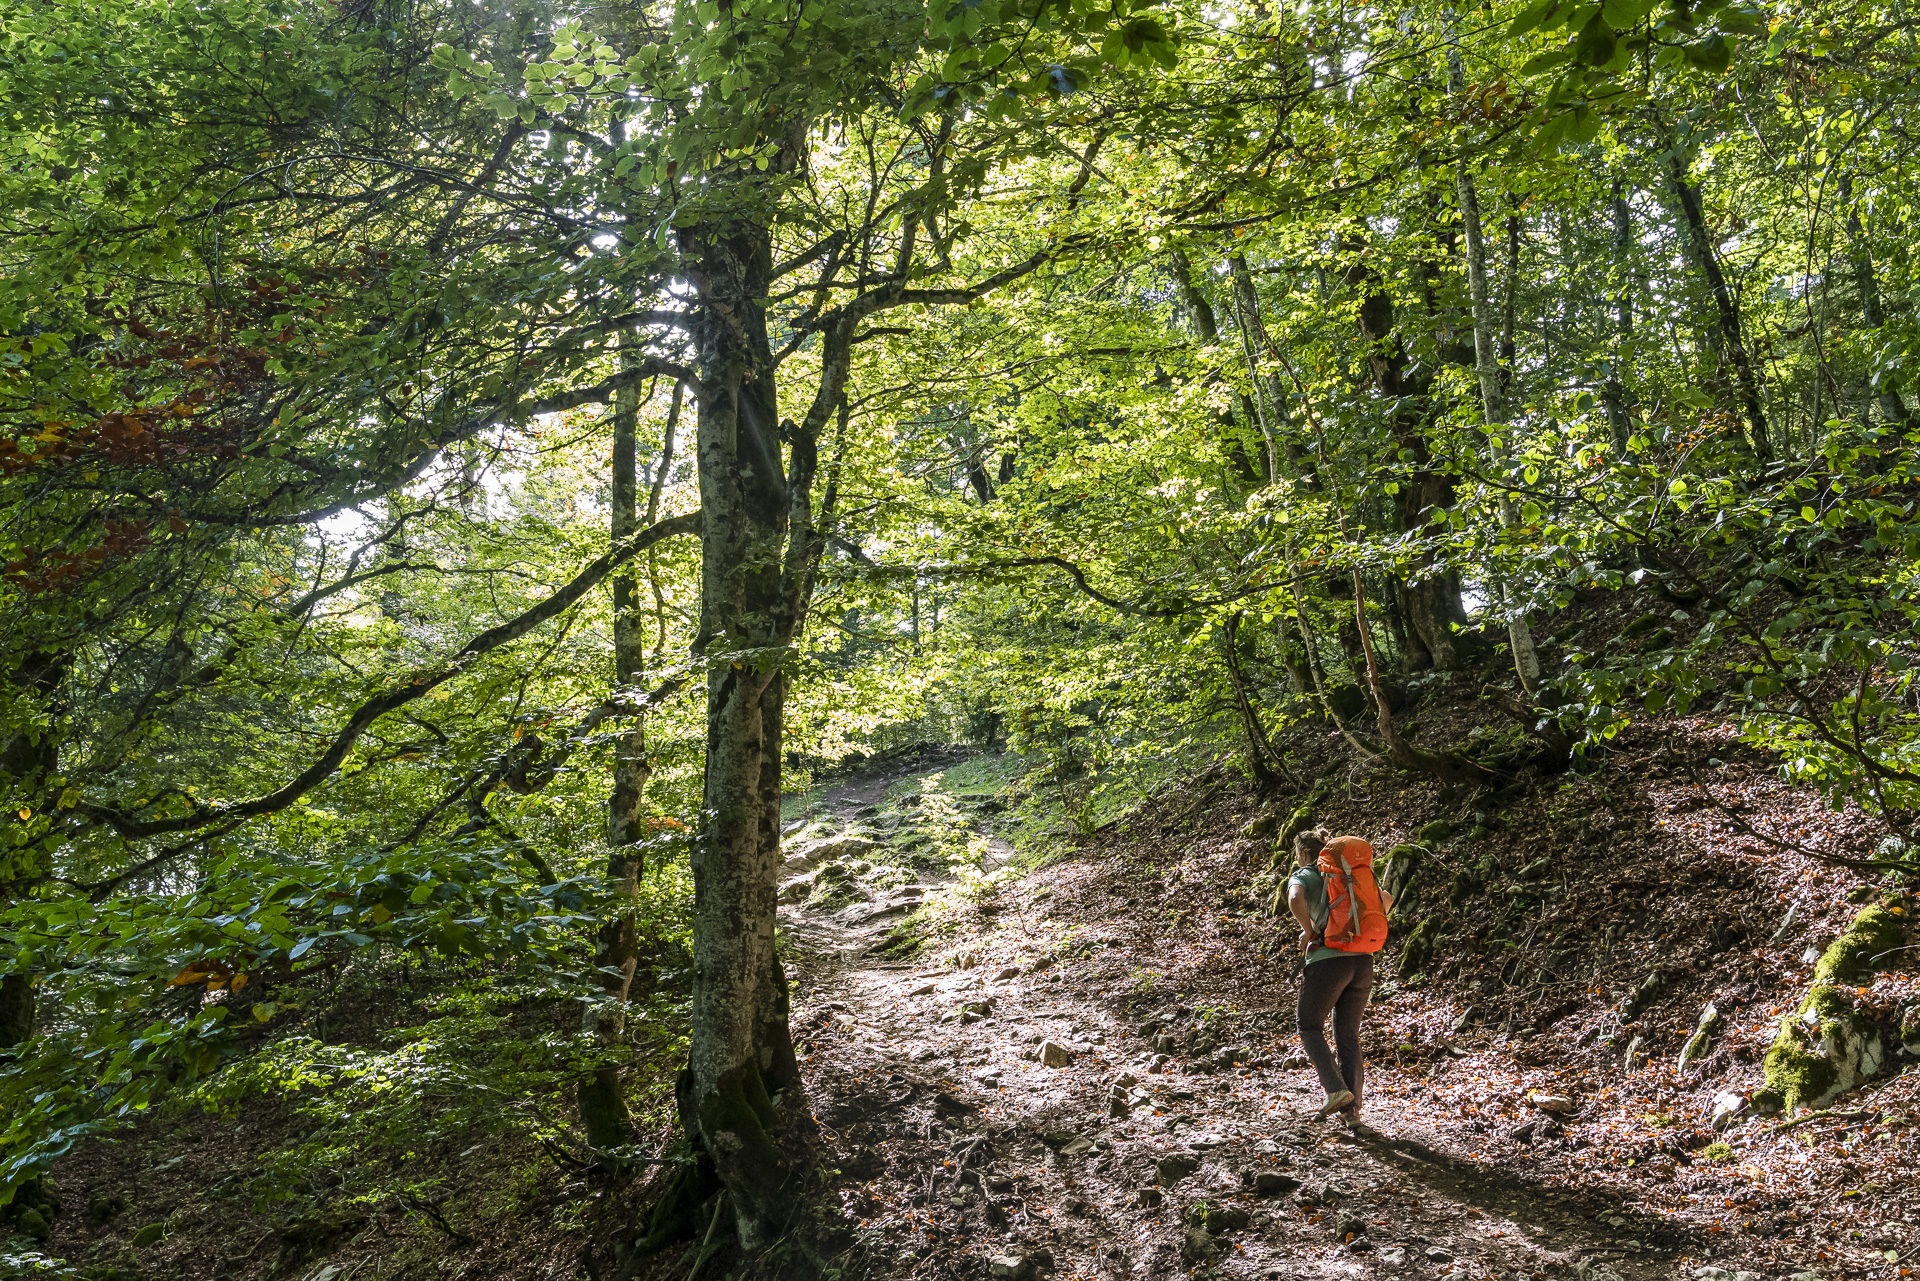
[1074,1057]
[996,1107]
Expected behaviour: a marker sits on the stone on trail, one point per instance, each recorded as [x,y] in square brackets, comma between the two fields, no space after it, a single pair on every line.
[1055,1055]
[1078,1145]
[1231,1056]
[923,989]
[1727,1106]
[1394,1256]
[1636,1052]
[1010,972]
[1198,1246]
[1702,1037]
[830,848]
[1175,1167]
[1227,1218]
[1557,1103]
[1010,1267]
[1273,1183]
[1439,1254]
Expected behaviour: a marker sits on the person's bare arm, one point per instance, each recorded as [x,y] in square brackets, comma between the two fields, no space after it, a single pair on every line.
[1297,904]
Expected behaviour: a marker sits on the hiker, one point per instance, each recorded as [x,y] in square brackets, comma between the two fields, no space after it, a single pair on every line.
[1343,921]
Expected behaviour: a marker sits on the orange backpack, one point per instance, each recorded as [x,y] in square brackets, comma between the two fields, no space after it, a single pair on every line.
[1356,921]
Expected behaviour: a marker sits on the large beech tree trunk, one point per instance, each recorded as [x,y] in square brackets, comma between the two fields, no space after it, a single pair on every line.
[741,1059]
[1272,393]
[1613,392]
[1206,327]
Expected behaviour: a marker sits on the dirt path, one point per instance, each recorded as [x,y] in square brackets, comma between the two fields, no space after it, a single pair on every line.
[1020,1105]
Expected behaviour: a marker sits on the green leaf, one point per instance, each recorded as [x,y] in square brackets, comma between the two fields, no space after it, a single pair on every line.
[1621,14]
[1595,45]
[1715,53]
[1546,61]
[1535,16]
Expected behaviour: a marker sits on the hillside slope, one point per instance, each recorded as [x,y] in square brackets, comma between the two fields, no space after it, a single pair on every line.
[1528,1111]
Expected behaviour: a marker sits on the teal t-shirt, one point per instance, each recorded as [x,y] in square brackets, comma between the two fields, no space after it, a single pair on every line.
[1314,886]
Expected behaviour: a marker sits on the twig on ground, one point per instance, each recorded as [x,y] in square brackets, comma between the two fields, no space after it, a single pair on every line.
[419,1205]
[1851,1114]
[719,1204]
[960,1166]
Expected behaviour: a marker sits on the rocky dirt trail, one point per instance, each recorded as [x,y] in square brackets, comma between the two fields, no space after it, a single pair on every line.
[1021,1100]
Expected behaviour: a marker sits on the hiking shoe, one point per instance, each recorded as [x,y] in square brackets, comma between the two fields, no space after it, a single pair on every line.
[1335,1102]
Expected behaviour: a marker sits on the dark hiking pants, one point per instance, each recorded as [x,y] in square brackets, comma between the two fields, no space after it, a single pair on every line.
[1339,986]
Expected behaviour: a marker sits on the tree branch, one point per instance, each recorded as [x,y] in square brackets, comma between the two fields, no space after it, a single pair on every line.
[395,696]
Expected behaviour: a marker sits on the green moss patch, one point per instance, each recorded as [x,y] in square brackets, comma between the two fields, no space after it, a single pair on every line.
[1418,951]
[1797,1073]
[1850,956]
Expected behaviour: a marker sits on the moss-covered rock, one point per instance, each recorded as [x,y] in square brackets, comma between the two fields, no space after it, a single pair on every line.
[1826,1046]
[1418,951]
[1850,957]
[1398,870]
[1435,833]
[1297,822]
[1651,988]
